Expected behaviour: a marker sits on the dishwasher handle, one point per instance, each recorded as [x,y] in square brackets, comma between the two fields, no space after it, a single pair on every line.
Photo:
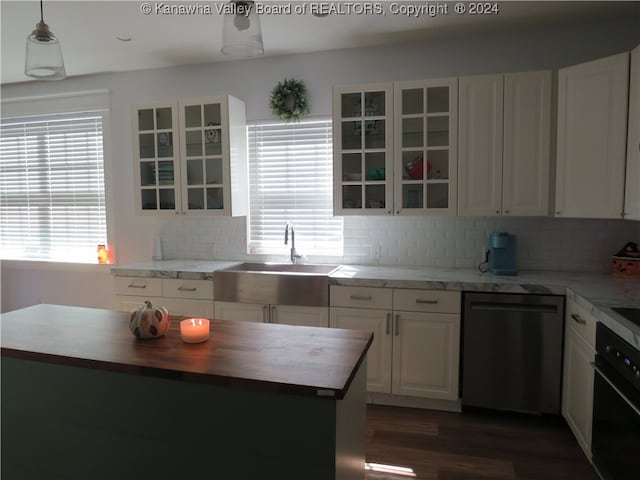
[513,307]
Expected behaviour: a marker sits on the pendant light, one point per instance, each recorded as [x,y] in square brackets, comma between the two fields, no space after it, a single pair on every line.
[241,32]
[44,55]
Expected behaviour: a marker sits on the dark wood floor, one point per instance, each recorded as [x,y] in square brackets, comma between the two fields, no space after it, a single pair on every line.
[475,445]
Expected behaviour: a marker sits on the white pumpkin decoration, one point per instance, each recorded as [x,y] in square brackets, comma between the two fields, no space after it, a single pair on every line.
[148,321]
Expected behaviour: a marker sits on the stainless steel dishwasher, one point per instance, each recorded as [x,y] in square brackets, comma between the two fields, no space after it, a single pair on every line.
[512,351]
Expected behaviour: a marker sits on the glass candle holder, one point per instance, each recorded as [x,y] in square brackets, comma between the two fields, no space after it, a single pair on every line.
[194,330]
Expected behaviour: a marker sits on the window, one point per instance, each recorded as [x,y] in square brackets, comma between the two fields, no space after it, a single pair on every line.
[291,181]
[52,197]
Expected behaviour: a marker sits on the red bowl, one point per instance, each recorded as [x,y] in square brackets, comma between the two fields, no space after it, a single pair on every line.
[416,172]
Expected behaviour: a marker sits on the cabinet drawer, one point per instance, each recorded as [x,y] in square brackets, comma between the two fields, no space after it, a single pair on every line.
[437,301]
[582,322]
[140,286]
[361,297]
[180,288]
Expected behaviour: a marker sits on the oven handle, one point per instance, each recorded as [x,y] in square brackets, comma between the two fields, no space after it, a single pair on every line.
[617,390]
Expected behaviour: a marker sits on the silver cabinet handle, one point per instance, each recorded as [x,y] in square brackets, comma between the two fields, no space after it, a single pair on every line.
[187,289]
[265,314]
[133,285]
[578,319]
[274,312]
[397,325]
[388,323]
[427,302]
[360,297]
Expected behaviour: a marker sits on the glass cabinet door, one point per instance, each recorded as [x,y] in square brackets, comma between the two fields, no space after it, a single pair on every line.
[156,156]
[362,149]
[203,158]
[426,147]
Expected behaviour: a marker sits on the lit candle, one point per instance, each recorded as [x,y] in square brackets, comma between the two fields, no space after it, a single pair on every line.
[194,330]
[103,255]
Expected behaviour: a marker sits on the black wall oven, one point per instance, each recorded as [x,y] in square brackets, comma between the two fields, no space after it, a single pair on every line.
[615,444]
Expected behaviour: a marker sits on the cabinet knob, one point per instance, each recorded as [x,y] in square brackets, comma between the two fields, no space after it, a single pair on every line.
[507,212]
[498,211]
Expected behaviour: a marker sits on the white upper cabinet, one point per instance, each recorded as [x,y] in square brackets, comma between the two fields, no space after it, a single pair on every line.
[395,148]
[156,157]
[363,149]
[632,186]
[191,156]
[480,147]
[213,147]
[504,146]
[426,140]
[592,129]
[527,147]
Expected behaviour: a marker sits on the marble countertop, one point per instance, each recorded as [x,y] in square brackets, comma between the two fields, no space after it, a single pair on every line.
[594,291]
[187,269]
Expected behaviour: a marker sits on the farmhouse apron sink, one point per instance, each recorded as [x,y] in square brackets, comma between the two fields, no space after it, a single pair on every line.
[274,283]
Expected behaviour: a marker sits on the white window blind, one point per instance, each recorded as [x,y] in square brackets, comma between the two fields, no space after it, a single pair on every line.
[52,198]
[291,181]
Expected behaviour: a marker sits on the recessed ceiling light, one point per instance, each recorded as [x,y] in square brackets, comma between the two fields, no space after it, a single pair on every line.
[123,37]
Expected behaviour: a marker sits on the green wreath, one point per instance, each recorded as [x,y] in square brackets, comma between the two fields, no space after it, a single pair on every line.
[289,100]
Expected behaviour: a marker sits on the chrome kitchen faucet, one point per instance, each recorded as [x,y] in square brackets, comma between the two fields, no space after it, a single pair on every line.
[294,255]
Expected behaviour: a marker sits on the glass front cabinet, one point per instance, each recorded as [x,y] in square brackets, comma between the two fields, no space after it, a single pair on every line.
[395,148]
[191,156]
[363,149]
[156,154]
[425,153]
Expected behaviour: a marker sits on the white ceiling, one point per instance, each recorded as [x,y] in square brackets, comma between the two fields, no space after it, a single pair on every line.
[88,30]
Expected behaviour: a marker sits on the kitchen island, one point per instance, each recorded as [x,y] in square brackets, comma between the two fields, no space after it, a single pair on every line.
[82,398]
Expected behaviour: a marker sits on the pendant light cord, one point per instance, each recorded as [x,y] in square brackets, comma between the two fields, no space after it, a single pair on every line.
[41,12]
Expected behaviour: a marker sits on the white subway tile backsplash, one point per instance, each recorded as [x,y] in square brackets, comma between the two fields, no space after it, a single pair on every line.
[543,243]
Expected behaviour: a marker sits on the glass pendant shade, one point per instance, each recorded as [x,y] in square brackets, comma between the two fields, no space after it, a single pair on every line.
[44,55]
[241,32]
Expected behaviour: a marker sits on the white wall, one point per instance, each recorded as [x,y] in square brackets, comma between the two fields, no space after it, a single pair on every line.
[252,80]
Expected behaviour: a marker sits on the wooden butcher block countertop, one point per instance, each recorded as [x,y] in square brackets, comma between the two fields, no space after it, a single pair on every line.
[310,361]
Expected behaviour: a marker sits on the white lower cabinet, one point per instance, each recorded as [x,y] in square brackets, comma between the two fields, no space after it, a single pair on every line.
[426,352]
[240,312]
[269,313]
[416,345]
[379,354]
[302,316]
[189,298]
[577,391]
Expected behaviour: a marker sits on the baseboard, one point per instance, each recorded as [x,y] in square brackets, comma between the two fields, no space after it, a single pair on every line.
[414,402]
